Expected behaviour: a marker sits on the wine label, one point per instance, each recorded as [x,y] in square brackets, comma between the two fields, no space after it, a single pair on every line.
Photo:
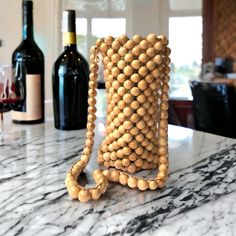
[69,38]
[33,100]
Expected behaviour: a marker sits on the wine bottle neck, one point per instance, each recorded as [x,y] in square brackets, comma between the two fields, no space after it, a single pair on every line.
[27,29]
[68,28]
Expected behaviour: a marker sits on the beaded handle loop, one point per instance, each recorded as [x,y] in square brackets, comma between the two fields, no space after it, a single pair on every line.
[136,78]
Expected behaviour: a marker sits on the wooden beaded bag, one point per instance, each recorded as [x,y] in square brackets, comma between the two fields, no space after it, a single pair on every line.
[136,79]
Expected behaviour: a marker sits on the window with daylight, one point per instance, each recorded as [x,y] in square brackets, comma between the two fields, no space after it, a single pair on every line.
[185,40]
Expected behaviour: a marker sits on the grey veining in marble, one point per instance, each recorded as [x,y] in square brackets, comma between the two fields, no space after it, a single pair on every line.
[199,198]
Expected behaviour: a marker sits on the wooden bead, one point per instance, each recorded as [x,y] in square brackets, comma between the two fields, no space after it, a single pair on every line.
[137,38]
[135,77]
[110,52]
[121,117]
[106,59]
[128,125]
[163,159]
[135,91]
[121,104]
[149,78]
[128,57]
[151,52]
[150,65]
[127,137]
[163,167]
[139,150]
[136,64]
[141,111]
[73,192]
[127,98]
[162,150]
[134,131]
[103,47]
[157,59]
[164,115]
[131,168]
[89,143]
[116,97]
[118,164]
[132,182]
[121,142]
[142,84]
[120,153]
[141,98]
[139,162]
[152,185]
[147,92]
[136,51]
[123,179]
[152,38]
[134,118]
[160,183]
[76,169]
[125,161]
[116,134]
[161,175]
[121,64]
[162,142]
[156,73]
[108,40]
[115,58]
[141,125]
[123,39]
[163,39]
[121,91]
[122,51]
[143,71]
[115,45]
[115,72]
[133,144]
[109,67]
[121,129]
[143,57]
[133,156]
[163,123]
[113,155]
[142,184]
[84,195]
[129,44]
[143,44]
[139,138]
[128,70]
[128,84]
[106,173]
[158,46]
[128,111]
[84,158]
[114,176]
[95,194]
[134,105]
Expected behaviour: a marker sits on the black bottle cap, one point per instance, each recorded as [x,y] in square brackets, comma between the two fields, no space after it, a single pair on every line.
[68,21]
[27,5]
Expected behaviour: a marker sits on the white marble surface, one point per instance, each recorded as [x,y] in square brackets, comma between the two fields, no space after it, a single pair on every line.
[199,198]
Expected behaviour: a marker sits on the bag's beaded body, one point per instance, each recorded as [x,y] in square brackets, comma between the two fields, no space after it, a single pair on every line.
[136,79]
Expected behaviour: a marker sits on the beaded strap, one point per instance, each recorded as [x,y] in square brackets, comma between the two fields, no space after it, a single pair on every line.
[136,78]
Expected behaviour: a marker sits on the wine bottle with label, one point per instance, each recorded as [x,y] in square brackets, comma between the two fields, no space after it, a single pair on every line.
[28,69]
[70,80]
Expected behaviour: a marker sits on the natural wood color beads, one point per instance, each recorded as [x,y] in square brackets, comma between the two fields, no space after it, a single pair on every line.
[136,79]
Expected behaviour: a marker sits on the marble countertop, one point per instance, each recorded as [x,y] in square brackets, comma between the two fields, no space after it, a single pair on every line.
[199,198]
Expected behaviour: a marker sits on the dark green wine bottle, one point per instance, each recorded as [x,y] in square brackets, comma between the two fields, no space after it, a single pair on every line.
[28,69]
[70,79]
